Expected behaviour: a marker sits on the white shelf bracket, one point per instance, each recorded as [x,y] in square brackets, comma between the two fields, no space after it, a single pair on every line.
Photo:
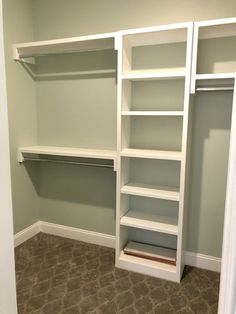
[114,165]
[20,157]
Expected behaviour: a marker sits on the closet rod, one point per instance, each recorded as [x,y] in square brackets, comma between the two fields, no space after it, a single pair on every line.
[68,162]
[212,89]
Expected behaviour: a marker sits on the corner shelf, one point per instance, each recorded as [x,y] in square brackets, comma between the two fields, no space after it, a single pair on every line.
[165,193]
[65,45]
[144,220]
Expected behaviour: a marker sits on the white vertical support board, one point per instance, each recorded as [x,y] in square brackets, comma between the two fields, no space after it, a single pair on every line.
[227,297]
[118,45]
[7,265]
[183,174]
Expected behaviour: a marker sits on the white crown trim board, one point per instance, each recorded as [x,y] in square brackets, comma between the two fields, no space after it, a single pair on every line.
[191,258]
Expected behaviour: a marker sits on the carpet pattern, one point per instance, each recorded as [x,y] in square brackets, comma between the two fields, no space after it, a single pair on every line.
[62,276]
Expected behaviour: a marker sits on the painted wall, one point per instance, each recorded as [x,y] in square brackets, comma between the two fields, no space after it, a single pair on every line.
[65,191]
[211,122]
[22,113]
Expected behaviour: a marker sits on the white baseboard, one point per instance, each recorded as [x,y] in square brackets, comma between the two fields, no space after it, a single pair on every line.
[78,234]
[191,258]
[203,261]
[27,233]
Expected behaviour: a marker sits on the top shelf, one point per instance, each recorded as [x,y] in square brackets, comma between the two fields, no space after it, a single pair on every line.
[216,28]
[65,45]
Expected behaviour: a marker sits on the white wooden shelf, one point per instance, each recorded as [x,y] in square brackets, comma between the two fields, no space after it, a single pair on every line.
[215,79]
[153,75]
[152,222]
[65,45]
[152,154]
[152,113]
[67,152]
[217,28]
[147,266]
[165,193]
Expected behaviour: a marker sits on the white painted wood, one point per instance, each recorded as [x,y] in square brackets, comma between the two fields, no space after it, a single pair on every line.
[147,267]
[27,233]
[227,298]
[152,154]
[7,264]
[202,261]
[78,234]
[152,113]
[67,152]
[211,29]
[181,239]
[166,193]
[65,45]
[147,221]
[153,75]
[217,28]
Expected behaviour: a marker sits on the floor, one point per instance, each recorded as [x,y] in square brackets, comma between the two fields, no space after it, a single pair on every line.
[62,276]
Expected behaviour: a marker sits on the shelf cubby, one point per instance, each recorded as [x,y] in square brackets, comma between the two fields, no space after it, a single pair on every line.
[152,132]
[149,214]
[153,95]
[214,59]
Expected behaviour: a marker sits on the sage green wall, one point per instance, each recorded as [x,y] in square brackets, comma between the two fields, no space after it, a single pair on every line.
[18,27]
[60,187]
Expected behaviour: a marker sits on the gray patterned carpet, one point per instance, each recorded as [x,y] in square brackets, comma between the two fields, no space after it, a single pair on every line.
[63,276]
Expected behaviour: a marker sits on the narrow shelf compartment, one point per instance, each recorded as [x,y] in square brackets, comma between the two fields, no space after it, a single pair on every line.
[152,113]
[151,252]
[152,154]
[65,45]
[214,80]
[166,193]
[67,152]
[152,75]
[147,221]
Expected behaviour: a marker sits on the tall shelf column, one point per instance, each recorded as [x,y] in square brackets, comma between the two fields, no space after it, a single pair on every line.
[152,136]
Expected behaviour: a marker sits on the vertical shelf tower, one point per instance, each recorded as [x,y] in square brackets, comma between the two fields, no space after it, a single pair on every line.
[153,115]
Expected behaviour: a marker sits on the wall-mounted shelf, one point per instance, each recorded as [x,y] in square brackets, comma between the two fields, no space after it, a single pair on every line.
[152,154]
[65,45]
[67,152]
[144,220]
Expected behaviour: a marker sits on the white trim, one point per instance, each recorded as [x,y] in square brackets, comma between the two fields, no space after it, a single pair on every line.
[191,258]
[227,298]
[27,233]
[78,234]
[203,261]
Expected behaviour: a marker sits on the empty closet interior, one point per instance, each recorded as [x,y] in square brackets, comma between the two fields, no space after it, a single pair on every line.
[131,139]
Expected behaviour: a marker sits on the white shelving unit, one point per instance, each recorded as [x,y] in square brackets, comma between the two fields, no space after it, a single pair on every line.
[207,41]
[129,44]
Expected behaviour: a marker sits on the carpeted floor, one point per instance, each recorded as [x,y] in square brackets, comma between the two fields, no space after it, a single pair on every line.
[63,276]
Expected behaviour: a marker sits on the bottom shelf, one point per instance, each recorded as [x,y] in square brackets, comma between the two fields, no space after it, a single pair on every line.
[151,252]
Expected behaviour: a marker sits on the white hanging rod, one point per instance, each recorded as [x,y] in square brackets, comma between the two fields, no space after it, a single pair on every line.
[212,89]
[68,162]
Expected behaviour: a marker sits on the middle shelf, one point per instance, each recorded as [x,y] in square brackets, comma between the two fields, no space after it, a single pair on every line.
[166,193]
